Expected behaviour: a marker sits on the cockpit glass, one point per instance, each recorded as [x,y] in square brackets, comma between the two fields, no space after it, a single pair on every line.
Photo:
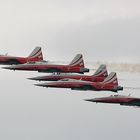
[31,62]
[65,80]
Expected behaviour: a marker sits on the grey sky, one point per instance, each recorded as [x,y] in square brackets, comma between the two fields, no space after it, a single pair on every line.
[103,30]
[94,28]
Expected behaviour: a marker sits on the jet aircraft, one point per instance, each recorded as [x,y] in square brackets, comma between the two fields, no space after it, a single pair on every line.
[118,99]
[36,55]
[109,84]
[76,66]
[100,74]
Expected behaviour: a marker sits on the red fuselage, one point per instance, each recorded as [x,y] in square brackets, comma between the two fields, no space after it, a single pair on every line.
[117,99]
[48,68]
[9,60]
[69,76]
[80,85]
[113,100]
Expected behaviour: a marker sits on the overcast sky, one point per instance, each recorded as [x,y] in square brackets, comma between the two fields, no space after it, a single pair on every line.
[102,30]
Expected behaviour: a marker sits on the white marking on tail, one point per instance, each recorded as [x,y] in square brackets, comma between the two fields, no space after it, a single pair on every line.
[77,61]
[36,53]
[111,79]
[101,71]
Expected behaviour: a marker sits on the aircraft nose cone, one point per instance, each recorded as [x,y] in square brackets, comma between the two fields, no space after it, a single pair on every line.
[30,78]
[39,85]
[33,78]
[8,68]
[36,78]
[90,100]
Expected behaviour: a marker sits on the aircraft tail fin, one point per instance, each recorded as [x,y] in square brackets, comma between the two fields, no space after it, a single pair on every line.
[111,82]
[101,71]
[77,61]
[36,54]
[111,79]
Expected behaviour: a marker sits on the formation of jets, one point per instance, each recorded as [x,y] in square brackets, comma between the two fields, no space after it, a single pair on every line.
[109,84]
[100,74]
[70,76]
[76,66]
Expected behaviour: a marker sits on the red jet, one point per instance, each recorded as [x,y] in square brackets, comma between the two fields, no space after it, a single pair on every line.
[98,76]
[76,66]
[109,84]
[36,55]
[117,99]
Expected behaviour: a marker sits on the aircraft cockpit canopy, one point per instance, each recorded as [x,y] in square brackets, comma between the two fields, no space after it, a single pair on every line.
[65,79]
[37,62]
